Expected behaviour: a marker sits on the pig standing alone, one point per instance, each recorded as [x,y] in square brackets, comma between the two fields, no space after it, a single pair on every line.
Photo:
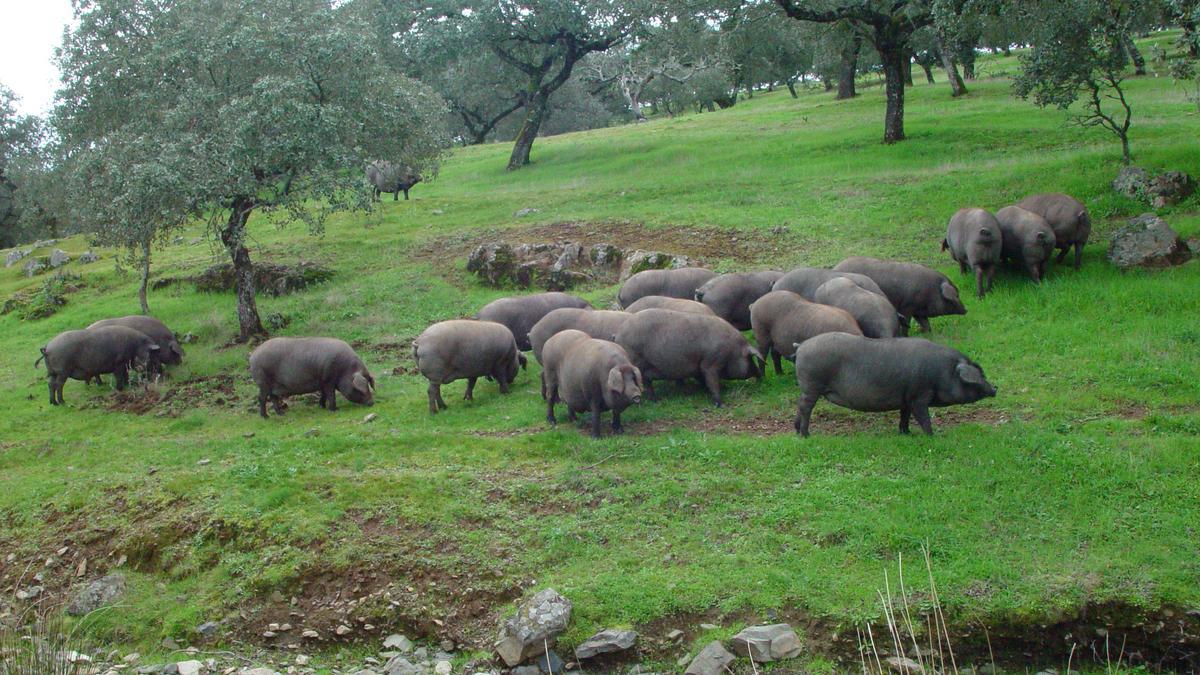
[781,319]
[601,324]
[286,366]
[84,354]
[461,348]
[521,312]
[674,304]
[730,295]
[916,291]
[676,283]
[1028,240]
[673,345]
[589,374]
[391,177]
[973,238]
[1069,219]
[906,374]
[876,317]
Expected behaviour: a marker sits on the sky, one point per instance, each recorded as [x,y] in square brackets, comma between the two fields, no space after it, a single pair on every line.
[32,29]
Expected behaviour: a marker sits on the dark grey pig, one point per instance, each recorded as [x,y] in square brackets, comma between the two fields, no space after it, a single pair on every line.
[674,345]
[84,354]
[520,313]
[1028,240]
[730,295]
[876,317]
[601,324]
[781,319]
[286,366]
[804,281]
[1069,219]
[906,374]
[462,348]
[916,291]
[973,239]
[590,375]
[677,283]
[675,304]
[169,351]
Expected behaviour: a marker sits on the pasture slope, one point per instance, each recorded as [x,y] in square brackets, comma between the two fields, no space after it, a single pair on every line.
[1068,502]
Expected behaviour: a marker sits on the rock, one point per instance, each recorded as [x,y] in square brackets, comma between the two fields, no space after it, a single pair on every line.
[343,630]
[712,660]
[302,660]
[204,462]
[495,264]
[1132,181]
[1170,188]
[525,212]
[606,642]
[605,255]
[87,258]
[257,671]
[99,593]
[310,635]
[903,664]
[33,266]
[29,593]
[14,256]
[270,278]
[437,212]
[398,642]
[549,663]
[58,258]
[208,631]
[169,644]
[640,261]
[764,644]
[371,417]
[538,622]
[709,626]
[398,665]
[675,635]
[44,243]
[526,670]
[132,658]
[443,668]
[1147,241]
[189,667]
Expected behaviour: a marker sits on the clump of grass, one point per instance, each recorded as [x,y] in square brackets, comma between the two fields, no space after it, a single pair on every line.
[36,644]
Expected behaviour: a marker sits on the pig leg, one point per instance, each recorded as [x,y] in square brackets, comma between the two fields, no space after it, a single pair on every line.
[920,410]
[1062,254]
[52,383]
[434,392]
[616,422]
[649,386]
[62,381]
[777,358]
[329,393]
[804,413]
[121,375]
[1078,254]
[571,415]
[979,289]
[550,412]
[1033,273]
[712,382]
[595,419]
[991,274]
[923,322]
[263,395]
[470,395]
[503,382]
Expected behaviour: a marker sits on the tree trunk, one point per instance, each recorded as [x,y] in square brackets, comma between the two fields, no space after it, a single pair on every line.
[535,114]
[893,73]
[928,71]
[709,106]
[145,278]
[968,63]
[849,69]
[791,85]
[957,88]
[1135,55]
[908,70]
[233,236]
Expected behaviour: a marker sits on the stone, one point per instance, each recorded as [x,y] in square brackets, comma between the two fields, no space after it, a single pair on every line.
[443,668]
[257,671]
[1132,181]
[437,212]
[526,670]
[525,212]
[674,635]
[14,256]
[189,667]
[100,593]
[398,665]
[398,642]
[204,462]
[371,417]
[343,630]
[903,664]
[712,660]
[33,266]
[605,255]
[1169,188]
[764,644]
[549,663]
[58,258]
[88,257]
[495,264]
[208,631]
[132,658]
[640,261]
[310,634]
[537,623]
[1147,241]
[44,243]
[606,642]
[29,593]
[302,659]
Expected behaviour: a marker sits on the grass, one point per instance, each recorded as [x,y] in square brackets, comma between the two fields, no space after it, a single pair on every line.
[1075,486]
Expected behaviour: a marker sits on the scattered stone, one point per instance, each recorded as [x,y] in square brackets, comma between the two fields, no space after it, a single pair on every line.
[257,671]
[99,593]
[29,593]
[437,212]
[525,212]
[606,642]
[170,644]
[312,433]
[399,665]
[712,660]
[371,417]
[903,664]
[764,644]
[1169,188]
[34,266]
[549,663]
[398,642]
[536,624]
[204,462]
[248,434]
[443,668]
[447,645]
[640,260]
[44,243]
[58,258]
[310,635]
[709,626]
[208,631]
[88,257]
[302,660]
[14,256]
[189,667]
[1147,241]
[554,267]
[132,658]
[268,634]
[526,670]
[675,635]
[1132,181]
[343,630]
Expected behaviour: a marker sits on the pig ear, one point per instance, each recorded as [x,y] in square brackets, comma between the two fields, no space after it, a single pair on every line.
[949,291]
[969,373]
[637,376]
[615,381]
[360,382]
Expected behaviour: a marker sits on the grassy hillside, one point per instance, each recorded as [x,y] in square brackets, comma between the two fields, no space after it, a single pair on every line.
[1076,487]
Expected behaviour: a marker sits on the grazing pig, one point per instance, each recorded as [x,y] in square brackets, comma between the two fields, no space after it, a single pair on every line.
[169,351]
[285,366]
[906,374]
[781,319]
[915,291]
[876,317]
[1028,240]
[730,295]
[804,281]
[84,354]
[601,324]
[391,177]
[589,374]
[1069,219]
[676,283]
[521,312]
[462,348]
[973,239]
[674,345]
[675,304]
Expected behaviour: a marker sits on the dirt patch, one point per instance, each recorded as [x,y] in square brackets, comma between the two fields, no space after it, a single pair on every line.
[176,398]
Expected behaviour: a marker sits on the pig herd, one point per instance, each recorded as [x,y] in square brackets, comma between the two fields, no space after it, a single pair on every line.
[845,328]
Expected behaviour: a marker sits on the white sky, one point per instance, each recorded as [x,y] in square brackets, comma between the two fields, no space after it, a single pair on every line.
[32,29]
